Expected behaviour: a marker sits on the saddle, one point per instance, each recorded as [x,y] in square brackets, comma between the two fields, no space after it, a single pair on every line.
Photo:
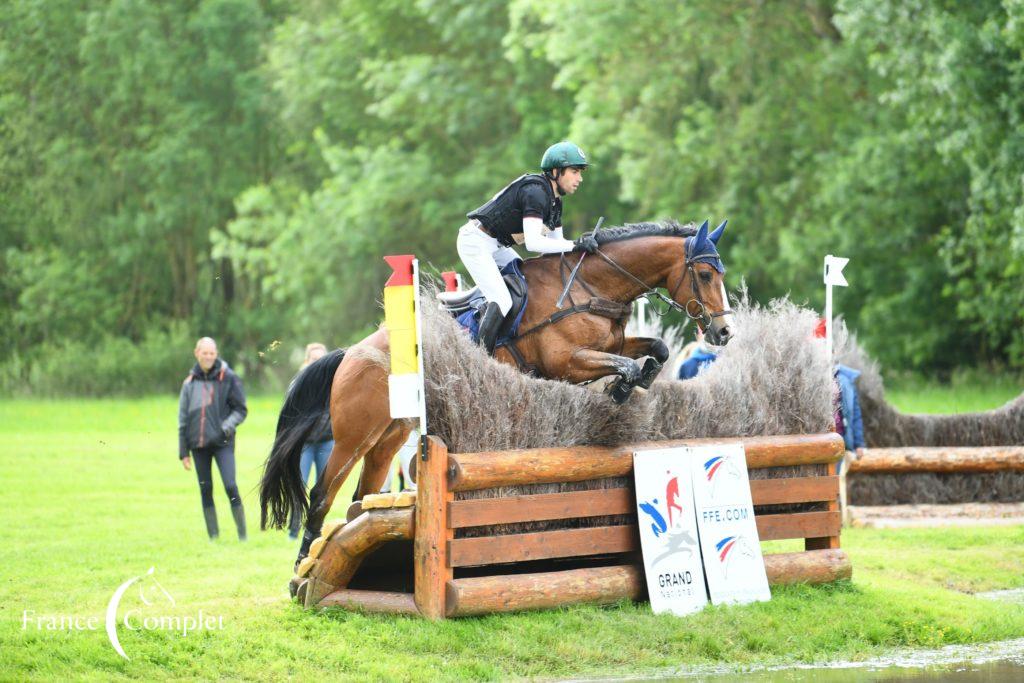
[466,306]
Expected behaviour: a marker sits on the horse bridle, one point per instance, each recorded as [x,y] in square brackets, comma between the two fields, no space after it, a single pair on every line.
[701,316]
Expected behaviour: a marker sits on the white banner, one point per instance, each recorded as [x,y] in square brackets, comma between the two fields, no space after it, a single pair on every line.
[668,531]
[729,542]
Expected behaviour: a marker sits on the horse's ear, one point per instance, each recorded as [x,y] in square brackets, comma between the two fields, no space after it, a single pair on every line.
[717,234]
[700,237]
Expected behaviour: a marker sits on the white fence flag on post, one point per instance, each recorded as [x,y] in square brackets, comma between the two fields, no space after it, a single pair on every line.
[833,277]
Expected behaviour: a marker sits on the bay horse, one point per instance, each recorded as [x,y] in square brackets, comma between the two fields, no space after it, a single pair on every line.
[578,344]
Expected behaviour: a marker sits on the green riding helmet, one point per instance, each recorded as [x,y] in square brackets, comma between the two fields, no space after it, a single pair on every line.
[563,155]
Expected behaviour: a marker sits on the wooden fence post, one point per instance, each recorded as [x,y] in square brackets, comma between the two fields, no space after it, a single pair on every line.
[430,549]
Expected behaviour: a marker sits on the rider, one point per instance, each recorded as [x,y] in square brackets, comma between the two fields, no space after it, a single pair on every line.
[527,211]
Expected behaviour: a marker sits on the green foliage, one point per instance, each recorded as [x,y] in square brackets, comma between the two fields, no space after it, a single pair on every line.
[157,363]
[239,167]
[132,127]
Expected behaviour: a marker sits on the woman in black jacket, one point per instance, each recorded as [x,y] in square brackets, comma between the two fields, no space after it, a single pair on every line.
[211,406]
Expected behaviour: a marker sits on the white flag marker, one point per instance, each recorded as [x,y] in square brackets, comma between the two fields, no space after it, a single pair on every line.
[833,276]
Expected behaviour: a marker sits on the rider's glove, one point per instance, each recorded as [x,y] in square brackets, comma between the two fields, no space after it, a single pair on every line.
[586,242]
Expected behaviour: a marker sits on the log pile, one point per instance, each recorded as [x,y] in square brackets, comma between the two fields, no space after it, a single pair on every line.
[457,575]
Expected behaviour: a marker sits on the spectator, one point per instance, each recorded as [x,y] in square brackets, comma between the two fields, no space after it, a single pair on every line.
[318,448]
[211,406]
[849,408]
[849,422]
[700,356]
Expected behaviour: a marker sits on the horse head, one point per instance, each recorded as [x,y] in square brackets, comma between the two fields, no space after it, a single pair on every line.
[700,286]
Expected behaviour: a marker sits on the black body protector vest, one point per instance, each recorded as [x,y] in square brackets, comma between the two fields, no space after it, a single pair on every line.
[503,215]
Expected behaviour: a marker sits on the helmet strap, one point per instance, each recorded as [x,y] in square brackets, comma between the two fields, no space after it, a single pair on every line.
[555,175]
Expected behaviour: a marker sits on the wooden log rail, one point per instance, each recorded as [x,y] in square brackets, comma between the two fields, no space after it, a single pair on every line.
[490,469]
[432,523]
[604,585]
[939,460]
[333,563]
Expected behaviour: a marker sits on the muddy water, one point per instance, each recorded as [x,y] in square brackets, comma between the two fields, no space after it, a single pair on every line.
[1011,595]
[998,662]
[1001,661]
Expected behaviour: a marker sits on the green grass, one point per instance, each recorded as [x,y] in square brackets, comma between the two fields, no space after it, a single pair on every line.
[962,395]
[93,494]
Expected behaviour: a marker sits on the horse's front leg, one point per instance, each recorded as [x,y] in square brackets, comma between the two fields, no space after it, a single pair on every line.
[587,364]
[655,350]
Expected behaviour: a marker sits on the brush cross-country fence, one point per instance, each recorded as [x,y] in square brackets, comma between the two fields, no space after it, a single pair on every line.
[439,553]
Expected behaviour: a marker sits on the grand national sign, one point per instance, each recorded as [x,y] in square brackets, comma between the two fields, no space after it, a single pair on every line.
[697,528]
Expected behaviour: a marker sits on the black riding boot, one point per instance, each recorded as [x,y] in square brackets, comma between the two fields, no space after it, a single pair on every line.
[210,515]
[490,323]
[238,512]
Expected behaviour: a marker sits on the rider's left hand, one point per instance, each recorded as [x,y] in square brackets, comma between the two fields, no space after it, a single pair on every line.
[586,242]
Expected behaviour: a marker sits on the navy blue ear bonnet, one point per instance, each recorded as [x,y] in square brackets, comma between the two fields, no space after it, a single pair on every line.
[702,247]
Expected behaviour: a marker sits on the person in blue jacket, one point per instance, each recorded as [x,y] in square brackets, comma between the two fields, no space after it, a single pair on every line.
[700,357]
[849,406]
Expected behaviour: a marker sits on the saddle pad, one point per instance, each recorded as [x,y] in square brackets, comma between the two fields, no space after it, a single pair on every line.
[516,283]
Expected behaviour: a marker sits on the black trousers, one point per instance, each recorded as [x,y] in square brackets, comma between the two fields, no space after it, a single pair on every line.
[225,457]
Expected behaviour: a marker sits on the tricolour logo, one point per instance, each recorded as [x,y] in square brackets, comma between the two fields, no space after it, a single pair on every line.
[712,466]
[732,547]
[719,468]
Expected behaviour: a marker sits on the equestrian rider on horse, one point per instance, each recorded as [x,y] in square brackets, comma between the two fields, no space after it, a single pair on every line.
[527,211]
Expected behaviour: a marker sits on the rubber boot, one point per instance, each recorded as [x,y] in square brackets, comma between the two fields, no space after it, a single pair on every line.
[490,323]
[210,515]
[238,512]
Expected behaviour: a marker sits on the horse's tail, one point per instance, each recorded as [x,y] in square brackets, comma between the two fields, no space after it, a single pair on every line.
[281,488]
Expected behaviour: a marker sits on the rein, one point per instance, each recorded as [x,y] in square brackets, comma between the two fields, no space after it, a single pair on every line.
[613,310]
[701,316]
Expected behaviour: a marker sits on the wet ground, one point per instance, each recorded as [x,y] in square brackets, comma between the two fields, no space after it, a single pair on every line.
[1001,661]
[996,662]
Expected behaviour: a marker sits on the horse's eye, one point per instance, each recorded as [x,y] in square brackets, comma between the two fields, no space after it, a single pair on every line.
[705,277]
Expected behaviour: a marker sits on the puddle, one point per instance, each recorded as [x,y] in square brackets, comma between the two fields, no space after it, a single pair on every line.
[1011,595]
[999,661]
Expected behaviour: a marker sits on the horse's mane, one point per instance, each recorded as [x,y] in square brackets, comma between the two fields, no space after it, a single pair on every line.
[630,231]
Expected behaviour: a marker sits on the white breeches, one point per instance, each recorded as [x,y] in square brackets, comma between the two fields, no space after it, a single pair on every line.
[484,258]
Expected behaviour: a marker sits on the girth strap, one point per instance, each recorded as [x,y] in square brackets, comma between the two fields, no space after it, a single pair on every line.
[605,308]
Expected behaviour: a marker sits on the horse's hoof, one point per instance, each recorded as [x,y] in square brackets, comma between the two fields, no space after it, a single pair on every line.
[648,373]
[293,586]
[620,390]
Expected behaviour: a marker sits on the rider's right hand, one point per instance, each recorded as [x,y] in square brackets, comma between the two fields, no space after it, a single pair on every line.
[586,242]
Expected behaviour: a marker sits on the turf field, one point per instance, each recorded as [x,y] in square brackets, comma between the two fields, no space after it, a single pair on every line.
[93,495]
